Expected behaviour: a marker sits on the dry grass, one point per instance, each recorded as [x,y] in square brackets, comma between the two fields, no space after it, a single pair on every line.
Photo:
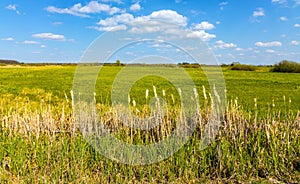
[40,142]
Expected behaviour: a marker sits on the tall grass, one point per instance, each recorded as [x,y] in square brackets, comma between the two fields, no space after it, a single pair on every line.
[40,142]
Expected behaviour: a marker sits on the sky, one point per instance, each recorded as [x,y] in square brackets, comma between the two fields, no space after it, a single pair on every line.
[259,32]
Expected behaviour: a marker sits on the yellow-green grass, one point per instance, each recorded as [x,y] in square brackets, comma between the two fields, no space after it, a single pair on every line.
[40,141]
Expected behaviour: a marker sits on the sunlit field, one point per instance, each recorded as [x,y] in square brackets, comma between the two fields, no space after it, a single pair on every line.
[40,141]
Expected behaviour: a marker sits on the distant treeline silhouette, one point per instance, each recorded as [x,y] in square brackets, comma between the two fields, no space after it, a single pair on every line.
[9,62]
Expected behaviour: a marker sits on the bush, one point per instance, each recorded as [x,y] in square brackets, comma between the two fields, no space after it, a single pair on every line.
[243,67]
[287,67]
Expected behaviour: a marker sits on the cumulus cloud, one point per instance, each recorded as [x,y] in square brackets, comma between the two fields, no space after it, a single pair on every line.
[135,7]
[114,1]
[204,36]
[125,18]
[8,39]
[297,25]
[13,7]
[270,51]
[294,42]
[268,44]
[57,23]
[111,28]
[283,18]
[83,11]
[168,21]
[279,1]
[260,12]
[49,36]
[168,16]
[31,42]
[223,45]
[203,26]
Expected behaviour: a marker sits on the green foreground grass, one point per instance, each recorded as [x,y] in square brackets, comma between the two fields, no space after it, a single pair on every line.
[40,141]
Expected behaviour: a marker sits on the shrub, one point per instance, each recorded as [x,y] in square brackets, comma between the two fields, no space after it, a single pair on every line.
[243,67]
[287,67]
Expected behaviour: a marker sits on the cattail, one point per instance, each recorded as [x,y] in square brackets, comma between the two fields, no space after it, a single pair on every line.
[216,94]
[154,90]
[284,98]
[163,93]
[147,93]
[180,93]
[195,92]
[236,101]
[72,98]
[273,103]
[204,92]
[172,96]
[65,97]
[255,102]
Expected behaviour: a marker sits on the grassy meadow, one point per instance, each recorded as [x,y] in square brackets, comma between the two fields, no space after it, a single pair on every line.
[259,140]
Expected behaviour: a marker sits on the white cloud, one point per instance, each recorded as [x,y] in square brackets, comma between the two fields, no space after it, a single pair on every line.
[8,39]
[135,7]
[31,42]
[111,28]
[297,2]
[279,1]
[114,1]
[283,18]
[222,45]
[294,42]
[260,12]
[239,49]
[49,36]
[270,51]
[168,21]
[204,36]
[43,46]
[147,23]
[83,11]
[222,4]
[218,22]
[268,44]
[125,18]
[203,26]
[296,25]
[13,7]
[168,16]
[57,23]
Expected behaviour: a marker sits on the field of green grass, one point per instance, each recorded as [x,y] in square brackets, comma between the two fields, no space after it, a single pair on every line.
[259,141]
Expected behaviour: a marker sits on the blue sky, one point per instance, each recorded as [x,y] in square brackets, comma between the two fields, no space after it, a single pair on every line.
[248,31]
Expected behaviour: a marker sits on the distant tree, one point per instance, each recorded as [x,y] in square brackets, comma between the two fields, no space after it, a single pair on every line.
[9,62]
[235,63]
[287,67]
[118,62]
[243,67]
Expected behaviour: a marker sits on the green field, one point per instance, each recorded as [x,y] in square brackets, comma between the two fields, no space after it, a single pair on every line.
[39,142]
